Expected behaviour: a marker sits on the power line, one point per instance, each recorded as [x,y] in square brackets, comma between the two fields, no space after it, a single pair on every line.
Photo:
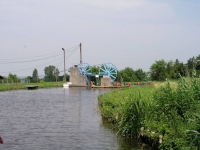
[72,51]
[69,50]
[29,60]
[30,57]
[32,67]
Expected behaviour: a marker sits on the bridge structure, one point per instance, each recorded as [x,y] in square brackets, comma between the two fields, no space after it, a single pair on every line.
[80,75]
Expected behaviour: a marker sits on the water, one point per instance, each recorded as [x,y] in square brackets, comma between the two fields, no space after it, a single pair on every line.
[55,119]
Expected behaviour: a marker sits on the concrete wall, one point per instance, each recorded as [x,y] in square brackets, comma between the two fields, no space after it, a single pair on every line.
[106,80]
[75,78]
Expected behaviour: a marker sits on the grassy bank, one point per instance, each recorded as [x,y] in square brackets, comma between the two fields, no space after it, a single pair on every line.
[16,86]
[165,115]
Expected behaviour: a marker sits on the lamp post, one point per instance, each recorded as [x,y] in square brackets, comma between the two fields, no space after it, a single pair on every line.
[64,79]
[80,53]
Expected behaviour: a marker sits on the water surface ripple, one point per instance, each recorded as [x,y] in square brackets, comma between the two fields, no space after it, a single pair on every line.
[54,119]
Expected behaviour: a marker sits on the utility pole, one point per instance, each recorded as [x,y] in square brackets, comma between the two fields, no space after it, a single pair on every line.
[80,53]
[64,66]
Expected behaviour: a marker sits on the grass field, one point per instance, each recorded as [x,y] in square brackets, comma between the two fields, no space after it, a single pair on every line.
[16,86]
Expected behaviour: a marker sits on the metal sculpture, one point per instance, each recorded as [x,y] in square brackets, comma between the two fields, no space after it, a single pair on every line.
[108,69]
[85,69]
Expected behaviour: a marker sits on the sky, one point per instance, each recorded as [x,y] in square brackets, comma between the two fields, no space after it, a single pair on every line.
[126,33]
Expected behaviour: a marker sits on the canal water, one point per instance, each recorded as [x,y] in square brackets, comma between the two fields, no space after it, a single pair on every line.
[56,119]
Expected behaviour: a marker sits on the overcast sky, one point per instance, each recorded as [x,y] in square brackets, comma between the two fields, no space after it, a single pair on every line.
[126,33]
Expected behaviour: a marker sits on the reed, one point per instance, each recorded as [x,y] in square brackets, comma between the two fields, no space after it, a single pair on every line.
[116,103]
[168,115]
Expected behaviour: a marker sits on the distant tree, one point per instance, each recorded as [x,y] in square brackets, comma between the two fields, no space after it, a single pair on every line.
[29,79]
[49,73]
[95,70]
[191,65]
[179,69]
[128,75]
[35,75]
[170,72]
[119,77]
[13,78]
[56,73]
[141,75]
[198,65]
[60,78]
[158,70]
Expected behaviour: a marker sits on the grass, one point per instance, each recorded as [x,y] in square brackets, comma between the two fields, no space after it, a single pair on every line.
[166,115]
[16,86]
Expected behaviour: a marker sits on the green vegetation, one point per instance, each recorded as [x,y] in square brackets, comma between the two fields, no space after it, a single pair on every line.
[16,86]
[167,117]
[35,75]
[161,70]
[52,74]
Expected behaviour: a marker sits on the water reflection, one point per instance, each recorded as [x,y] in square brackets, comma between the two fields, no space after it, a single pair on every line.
[54,118]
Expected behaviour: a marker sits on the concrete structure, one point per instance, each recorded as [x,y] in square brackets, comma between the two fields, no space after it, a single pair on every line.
[81,80]
[75,78]
[106,81]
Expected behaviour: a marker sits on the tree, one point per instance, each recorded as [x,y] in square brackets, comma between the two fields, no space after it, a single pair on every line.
[198,65]
[179,69]
[13,78]
[56,73]
[158,70]
[95,69]
[191,64]
[49,73]
[119,77]
[128,75]
[35,75]
[29,79]
[141,75]
[170,70]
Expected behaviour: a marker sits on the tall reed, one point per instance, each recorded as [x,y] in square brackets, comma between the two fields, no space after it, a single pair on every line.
[172,111]
[133,116]
[169,114]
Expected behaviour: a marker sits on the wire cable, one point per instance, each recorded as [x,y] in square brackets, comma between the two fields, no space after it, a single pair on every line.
[72,51]
[29,60]
[33,67]
[69,50]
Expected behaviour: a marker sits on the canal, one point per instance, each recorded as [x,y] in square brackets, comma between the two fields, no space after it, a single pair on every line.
[56,119]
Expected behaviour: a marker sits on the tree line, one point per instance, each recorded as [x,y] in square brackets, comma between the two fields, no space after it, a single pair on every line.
[51,75]
[160,70]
